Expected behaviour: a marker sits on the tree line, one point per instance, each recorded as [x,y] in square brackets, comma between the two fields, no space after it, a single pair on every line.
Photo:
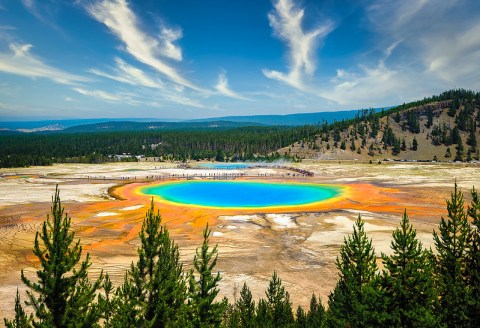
[238,144]
[416,287]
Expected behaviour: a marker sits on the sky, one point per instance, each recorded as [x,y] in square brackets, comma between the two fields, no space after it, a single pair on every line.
[181,59]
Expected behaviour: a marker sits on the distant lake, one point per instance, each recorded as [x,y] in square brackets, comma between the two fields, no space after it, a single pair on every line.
[242,194]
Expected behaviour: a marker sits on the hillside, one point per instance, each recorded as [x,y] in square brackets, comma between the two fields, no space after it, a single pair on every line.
[442,128]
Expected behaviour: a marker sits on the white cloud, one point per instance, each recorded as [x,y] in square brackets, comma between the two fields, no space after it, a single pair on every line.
[126,73]
[44,11]
[103,95]
[20,61]
[224,89]
[428,46]
[456,58]
[286,22]
[123,23]
[440,38]
[167,37]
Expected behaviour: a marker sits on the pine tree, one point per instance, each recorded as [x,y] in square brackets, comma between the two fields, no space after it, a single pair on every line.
[414,144]
[408,281]
[301,318]
[231,317]
[21,320]
[278,303]
[460,151]
[455,136]
[154,289]
[352,303]
[106,300]
[246,308]
[63,296]
[396,147]
[451,243]
[205,312]
[472,138]
[473,266]
[448,154]
[316,316]
[371,150]
[263,317]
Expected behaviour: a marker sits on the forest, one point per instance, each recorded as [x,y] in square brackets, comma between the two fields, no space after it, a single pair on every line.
[239,144]
[413,287]
[365,132]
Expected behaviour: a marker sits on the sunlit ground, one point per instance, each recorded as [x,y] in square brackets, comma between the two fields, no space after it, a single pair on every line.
[301,242]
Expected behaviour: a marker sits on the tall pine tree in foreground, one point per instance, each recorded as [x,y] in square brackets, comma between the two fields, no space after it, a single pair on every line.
[408,284]
[62,296]
[473,264]
[203,310]
[353,301]
[451,243]
[279,307]
[246,308]
[154,291]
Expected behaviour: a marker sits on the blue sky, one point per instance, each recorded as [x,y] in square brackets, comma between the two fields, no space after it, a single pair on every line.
[204,58]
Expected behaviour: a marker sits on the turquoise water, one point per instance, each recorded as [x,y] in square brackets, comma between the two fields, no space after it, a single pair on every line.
[225,165]
[242,194]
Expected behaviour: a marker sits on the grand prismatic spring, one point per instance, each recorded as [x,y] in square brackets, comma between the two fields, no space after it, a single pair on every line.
[243,194]
[263,218]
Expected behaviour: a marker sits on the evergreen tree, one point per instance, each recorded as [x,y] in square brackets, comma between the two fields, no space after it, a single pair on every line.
[263,317]
[408,282]
[396,147]
[316,316]
[21,320]
[352,303]
[403,147]
[472,138]
[154,288]
[451,243]
[429,123]
[231,317]
[205,312]
[371,150]
[62,296]
[106,300]
[460,151]
[246,308]
[448,153]
[278,303]
[414,144]
[301,318]
[455,136]
[473,267]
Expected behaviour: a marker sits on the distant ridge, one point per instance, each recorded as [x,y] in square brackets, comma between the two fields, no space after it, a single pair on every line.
[40,124]
[155,126]
[288,119]
[136,124]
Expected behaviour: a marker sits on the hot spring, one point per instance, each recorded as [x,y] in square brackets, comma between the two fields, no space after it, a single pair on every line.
[231,166]
[242,194]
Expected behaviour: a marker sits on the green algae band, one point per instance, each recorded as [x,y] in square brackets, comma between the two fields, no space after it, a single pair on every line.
[238,194]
